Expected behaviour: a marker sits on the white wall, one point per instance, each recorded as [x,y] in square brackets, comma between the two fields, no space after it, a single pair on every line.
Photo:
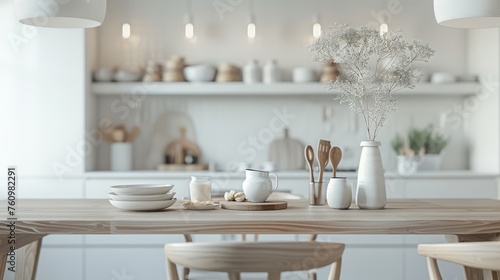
[482,112]
[42,113]
[222,124]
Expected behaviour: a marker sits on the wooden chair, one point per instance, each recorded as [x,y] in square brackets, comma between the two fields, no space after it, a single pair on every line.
[274,196]
[270,257]
[480,255]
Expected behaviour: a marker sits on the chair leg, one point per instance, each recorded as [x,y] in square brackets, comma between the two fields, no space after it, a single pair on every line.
[185,274]
[171,270]
[434,273]
[335,270]
[312,275]
[488,274]
[233,275]
[274,276]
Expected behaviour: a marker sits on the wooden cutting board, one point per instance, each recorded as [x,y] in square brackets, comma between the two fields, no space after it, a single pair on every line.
[254,206]
[287,153]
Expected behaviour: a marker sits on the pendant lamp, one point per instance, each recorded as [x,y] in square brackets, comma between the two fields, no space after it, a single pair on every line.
[467,13]
[61,13]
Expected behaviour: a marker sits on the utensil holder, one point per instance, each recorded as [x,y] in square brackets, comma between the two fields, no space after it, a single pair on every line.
[317,193]
[121,156]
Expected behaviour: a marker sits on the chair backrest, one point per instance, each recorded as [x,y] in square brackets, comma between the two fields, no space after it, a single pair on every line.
[271,257]
[481,255]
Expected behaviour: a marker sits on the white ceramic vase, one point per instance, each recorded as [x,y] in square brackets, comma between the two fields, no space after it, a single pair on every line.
[121,156]
[370,190]
[339,193]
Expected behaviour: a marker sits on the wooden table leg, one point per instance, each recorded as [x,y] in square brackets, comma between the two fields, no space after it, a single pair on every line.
[3,263]
[474,273]
[28,260]
[27,254]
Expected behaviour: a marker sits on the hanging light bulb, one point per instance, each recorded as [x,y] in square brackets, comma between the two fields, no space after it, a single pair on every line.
[384,28]
[316,30]
[316,27]
[126,31]
[189,29]
[251,30]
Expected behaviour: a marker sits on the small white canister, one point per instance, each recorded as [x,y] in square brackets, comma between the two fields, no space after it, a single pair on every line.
[339,193]
[200,189]
[121,156]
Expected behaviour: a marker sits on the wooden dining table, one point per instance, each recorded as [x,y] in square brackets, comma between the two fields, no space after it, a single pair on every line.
[467,219]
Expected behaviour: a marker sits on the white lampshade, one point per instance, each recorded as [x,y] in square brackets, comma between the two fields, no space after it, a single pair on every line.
[61,13]
[467,13]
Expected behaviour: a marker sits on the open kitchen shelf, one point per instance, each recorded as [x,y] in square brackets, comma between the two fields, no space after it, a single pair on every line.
[278,89]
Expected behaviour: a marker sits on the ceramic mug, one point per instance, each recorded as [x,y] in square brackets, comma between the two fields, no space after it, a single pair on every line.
[258,186]
[339,193]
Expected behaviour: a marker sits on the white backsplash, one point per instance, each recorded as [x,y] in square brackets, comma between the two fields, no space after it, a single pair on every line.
[239,129]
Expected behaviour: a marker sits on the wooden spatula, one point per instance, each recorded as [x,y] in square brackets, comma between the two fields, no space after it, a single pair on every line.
[323,152]
[335,157]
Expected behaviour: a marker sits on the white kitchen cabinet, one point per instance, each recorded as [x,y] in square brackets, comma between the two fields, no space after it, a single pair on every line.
[125,262]
[451,188]
[61,263]
[49,188]
[370,263]
[416,267]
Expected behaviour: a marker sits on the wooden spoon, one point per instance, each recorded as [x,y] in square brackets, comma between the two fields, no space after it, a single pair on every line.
[309,155]
[323,151]
[335,157]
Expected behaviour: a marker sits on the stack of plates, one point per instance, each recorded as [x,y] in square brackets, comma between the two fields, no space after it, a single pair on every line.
[142,197]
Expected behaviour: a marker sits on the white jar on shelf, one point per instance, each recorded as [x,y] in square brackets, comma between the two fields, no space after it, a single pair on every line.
[252,73]
[271,72]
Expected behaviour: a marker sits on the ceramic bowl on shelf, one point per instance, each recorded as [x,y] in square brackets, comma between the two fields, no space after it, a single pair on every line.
[443,78]
[200,73]
[127,76]
[103,75]
[304,75]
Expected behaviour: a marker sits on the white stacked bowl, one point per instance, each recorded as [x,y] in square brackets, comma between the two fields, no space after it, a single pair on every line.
[142,197]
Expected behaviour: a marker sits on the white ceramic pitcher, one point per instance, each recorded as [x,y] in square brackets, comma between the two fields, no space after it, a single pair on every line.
[258,186]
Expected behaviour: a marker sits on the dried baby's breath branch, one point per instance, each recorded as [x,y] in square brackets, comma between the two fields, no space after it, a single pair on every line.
[372,68]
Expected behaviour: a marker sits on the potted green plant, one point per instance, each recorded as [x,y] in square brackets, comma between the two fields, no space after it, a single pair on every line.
[434,145]
[421,150]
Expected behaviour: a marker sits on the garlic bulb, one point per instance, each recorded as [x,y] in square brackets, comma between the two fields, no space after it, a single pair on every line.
[229,196]
[240,197]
